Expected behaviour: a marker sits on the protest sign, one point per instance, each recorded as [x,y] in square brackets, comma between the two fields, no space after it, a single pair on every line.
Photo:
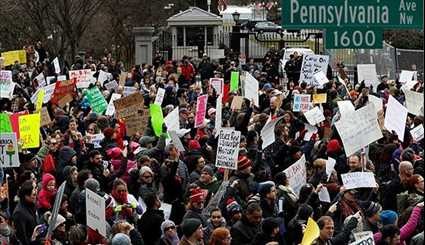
[301,102]
[55,211]
[176,140]
[217,84]
[228,149]
[110,110]
[234,81]
[414,102]
[51,79]
[377,102]
[218,115]
[95,212]
[14,121]
[330,166]
[395,117]
[310,131]
[62,89]
[406,76]
[95,139]
[324,195]
[16,55]
[157,119]
[41,80]
[96,100]
[172,120]
[418,132]
[314,116]
[56,65]
[297,174]
[236,103]
[251,88]
[127,90]
[159,96]
[201,108]
[137,122]
[319,98]
[29,130]
[45,117]
[367,73]
[6,75]
[409,85]
[345,108]
[111,85]
[5,125]
[83,78]
[104,76]
[65,100]
[39,101]
[267,133]
[311,65]
[359,129]
[61,78]
[363,238]
[320,79]
[9,150]
[49,90]
[355,180]
[6,89]
[128,105]
[311,232]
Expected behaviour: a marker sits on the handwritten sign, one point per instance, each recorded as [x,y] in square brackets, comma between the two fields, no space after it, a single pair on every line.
[8,150]
[128,105]
[111,85]
[159,96]
[62,89]
[358,180]
[137,122]
[414,102]
[236,103]
[95,212]
[217,84]
[96,100]
[83,77]
[176,140]
[6,89]
[319,98]
[110,110]
[297,175]
[406,76]
[172,120]
[395,117]
[228,148]
[363,238]
[127,90]
[346,108]
[29,130]
[314,116]
[267,132]
[16,55]
[104,76]
[201,108]
[367,73]
[311,65]
[320,79]
[301,102]
[418,132]
[45,117]
[251,88]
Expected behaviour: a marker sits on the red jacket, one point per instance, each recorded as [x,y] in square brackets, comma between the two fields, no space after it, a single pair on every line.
[187,71]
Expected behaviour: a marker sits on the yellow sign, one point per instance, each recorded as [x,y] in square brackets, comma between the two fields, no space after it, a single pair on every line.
[11,56]
[40,98]
[312,232]
[29,130]
[319,98]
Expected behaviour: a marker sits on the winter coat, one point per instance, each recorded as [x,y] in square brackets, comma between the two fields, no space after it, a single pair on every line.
[46,197]
[150,225]
[24,218]
[243,232]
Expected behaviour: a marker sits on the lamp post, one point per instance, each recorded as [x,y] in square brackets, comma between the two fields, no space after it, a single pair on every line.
[236,44]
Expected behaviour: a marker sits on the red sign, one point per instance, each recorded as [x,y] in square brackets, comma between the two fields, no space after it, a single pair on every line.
[63,88]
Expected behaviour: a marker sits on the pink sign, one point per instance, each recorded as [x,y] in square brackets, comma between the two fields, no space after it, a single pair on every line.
[201,108]
[217,84]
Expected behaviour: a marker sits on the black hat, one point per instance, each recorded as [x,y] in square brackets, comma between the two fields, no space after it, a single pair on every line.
[189,226]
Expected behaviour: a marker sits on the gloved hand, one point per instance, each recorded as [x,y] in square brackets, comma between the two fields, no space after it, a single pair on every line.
[352,223]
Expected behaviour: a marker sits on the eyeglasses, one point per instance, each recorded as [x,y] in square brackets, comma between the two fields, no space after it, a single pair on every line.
[170,228]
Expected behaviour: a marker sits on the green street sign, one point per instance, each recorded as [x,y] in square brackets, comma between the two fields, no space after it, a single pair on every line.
[340,38]
[321,14]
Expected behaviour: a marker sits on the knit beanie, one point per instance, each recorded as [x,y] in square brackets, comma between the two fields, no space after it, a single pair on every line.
[194,145]
[121,239]
[92,184]
[145,169]
[269,224]
[370,208]
[232,206]
[333,146]
[59,220]
[208,170]
[243,163]
[197,195]
[167,223]
[265,187]
[189,226]
[388,217]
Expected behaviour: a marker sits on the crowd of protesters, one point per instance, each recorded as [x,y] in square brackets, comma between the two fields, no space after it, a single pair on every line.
[136,174]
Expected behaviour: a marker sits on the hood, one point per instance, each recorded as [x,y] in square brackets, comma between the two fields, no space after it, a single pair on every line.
[46,179]
[66,153]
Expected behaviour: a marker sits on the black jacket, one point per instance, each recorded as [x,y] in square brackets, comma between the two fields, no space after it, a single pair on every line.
[243,233]
[149,226]
[24,218]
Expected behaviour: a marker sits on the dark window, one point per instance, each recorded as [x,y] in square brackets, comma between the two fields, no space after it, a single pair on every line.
[210,36]
[180,39]
[195,36]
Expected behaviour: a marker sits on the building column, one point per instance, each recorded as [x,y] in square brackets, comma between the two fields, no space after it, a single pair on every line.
[143,37]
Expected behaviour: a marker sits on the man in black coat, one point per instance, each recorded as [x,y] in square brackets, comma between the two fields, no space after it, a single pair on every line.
[244,231]
[24,215]
[150,223]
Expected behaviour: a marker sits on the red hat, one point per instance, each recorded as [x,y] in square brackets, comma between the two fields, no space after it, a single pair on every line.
[243,162]
[197,195]
[333,146]
[194,145]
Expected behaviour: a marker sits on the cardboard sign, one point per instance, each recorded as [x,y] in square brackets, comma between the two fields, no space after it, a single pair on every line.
[217,84]
[110,110]
[359,129]
[367,73]
[201,109]
[406,76]
[311,65]
[62,89]
[8,150]
[16,55]
[159,96]
[314,116]
[267,133]
[29,130]
[137,122]
[128,105]
[358,180]
[45,117]
[55,211]
[95,212]
[96,100]
[176,140]
[301,102]
[297,175]
[236,103]
[234,81]
[228,149]
[172,120]
[395,117]
[414,102]
[251,88]
[320,98]
[418,132]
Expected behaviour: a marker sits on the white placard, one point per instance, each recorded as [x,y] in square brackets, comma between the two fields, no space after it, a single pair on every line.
[377,102]
[127,90]
[395,117]
[55,210]
[111,85]
[363,238]
[330,166]
[56,65]
[409,85]
[359,129]
[321,78]
[61,78]
[267,133]
[217,84]
[95,212]
[167,210]
[228,148]
[9,150]
[110,110]
[95,139]
[418,132]
[251,88]
[406,76]
[103,76]
[314,116]
[49,89]
[324,195]
[6,89]
[310,131]
[358,180]
[414,102]
[159,96]
[297,175]
[367,72]
[346,108]
[5,75]
[172,120]
[50,79]
[84,75]
[218,115]
[176,140]
[311,65]
[41,80]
